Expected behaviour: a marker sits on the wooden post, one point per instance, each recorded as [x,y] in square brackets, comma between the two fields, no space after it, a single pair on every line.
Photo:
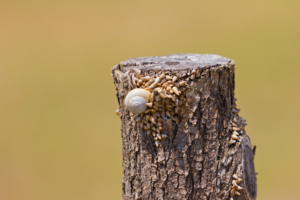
[207,154]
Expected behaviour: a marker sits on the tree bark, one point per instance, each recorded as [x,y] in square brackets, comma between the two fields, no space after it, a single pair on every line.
[200,158]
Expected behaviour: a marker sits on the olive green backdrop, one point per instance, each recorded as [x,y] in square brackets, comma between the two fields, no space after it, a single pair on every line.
[59,135]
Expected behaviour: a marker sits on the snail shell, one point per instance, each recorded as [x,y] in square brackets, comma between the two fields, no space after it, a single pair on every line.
[136,100]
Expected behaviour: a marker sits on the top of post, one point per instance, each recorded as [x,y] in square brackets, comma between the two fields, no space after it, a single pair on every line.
[178,61]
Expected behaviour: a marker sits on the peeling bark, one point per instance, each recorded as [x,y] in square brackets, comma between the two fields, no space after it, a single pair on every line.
[199,158]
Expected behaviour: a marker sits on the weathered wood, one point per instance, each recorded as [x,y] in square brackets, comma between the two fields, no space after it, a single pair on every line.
[200,157]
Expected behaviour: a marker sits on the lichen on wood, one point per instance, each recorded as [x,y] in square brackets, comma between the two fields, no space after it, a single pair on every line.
[200,155]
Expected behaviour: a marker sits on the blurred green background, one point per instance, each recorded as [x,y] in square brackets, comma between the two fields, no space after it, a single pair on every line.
[59,135]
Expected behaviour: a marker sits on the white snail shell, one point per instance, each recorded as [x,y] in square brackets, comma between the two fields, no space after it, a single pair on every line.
[136,100]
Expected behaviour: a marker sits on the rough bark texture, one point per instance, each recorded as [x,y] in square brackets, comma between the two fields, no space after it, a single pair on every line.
[200,157]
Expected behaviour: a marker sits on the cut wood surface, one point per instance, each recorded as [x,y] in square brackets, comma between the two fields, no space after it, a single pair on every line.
[207,154]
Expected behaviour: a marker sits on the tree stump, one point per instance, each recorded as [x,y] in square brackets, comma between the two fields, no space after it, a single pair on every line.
[207,154]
